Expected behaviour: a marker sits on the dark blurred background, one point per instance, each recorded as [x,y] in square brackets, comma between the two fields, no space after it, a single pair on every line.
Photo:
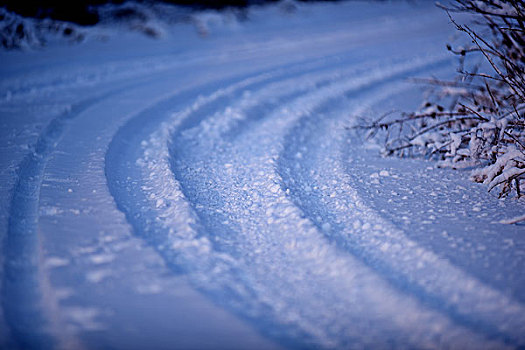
[84,12]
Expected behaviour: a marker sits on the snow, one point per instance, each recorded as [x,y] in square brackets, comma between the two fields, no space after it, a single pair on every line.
[202,190]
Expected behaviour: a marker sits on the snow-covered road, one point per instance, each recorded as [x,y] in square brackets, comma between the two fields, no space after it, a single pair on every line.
[204,192]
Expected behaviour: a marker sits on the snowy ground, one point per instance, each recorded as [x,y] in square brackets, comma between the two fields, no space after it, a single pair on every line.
[202,190]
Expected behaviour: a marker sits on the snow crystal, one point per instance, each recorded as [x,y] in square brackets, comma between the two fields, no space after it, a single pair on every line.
[101,258]
[97,276]
[50,211]
[84,317]
[326,226]
[152,288]
[55,261]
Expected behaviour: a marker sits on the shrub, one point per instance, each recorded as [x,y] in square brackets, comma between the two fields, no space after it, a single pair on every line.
[476,120]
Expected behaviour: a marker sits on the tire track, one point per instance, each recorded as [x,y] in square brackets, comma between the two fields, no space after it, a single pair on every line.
[22,294]
[139,163]
[237,248]
[194,159]
[209,230]
[311,160]
[23,297]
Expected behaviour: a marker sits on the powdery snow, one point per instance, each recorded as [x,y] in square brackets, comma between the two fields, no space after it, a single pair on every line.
[203,190]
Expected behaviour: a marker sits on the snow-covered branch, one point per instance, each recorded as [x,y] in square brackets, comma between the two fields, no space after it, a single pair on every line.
[477,120]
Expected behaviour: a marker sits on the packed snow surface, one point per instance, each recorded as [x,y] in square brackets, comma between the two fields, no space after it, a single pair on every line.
[203,190]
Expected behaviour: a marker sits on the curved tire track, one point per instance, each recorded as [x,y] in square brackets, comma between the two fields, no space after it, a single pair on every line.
[21,287]
[341,214]
[230,162]
[205,225]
